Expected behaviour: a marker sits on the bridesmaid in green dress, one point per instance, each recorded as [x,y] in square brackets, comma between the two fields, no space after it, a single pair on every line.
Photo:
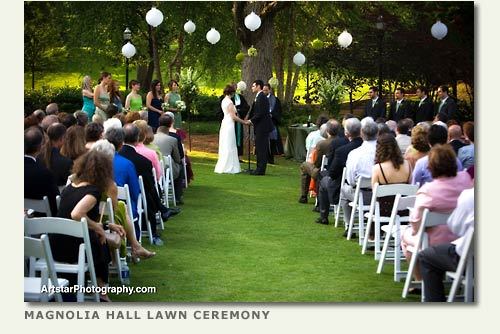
[88,97]
[171,99]
[101,95]
[134,99]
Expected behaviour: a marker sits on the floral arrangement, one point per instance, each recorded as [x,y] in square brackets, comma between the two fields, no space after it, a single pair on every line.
[273,82]
[241,86]
[252,52]
[331,92]
[181,105]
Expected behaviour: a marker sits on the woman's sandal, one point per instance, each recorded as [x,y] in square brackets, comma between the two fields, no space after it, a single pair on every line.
[141,253]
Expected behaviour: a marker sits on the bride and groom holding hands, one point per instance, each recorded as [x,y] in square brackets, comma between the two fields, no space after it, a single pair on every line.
[260,118]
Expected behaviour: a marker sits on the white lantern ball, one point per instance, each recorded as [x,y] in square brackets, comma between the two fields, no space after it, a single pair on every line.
[439,30]
[213,36]
[128,50]
[299,59]
[344,39]
[252,21]
[189,27]
[154,17]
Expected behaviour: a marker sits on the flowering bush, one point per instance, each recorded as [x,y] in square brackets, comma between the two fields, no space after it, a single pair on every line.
[331,92]
[189,88]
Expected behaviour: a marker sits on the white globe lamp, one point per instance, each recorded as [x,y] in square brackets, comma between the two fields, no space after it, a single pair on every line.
[439,30]
[213,36]
[189,27]
[252,21]
[128,50]
[154,17]
[299,59]
[344,39]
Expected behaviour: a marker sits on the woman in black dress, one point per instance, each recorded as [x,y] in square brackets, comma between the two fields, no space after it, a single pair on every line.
[93,173]
[154,100]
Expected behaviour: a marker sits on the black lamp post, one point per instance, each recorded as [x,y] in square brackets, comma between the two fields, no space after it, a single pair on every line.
[127,36]
[380,27]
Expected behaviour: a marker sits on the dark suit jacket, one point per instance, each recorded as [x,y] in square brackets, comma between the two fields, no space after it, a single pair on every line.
[276,112]
[456,144]
[448,111]
[405,111]
[425,112]
[60,166]
[39,182]
[378,110]
[261,118]
[337,166]
[143,167]
[334,145]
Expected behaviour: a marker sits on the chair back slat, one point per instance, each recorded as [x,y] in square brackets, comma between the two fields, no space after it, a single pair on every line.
[393,189]
[33,226]
[38,205]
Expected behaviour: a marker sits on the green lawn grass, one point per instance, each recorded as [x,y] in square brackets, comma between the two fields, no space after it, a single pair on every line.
[242,238]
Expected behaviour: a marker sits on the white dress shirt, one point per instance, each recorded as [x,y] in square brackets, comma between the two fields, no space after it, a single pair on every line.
[311,140]
[461,220]
[403,141]
[360,162]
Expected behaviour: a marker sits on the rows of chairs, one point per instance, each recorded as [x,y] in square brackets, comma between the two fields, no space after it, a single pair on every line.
[386,248]
[41,268]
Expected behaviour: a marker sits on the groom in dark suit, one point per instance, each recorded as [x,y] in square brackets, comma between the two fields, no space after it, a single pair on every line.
[263,125]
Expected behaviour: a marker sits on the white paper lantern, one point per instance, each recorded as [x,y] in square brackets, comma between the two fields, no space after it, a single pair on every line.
[344,39]
[213,36]
[241,86]
[439,30]
[189,27]
[128,50]
[252,21]
[299,59]
[154,17]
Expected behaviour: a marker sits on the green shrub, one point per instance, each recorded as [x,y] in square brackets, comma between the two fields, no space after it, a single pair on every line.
[204,108]
[69,99]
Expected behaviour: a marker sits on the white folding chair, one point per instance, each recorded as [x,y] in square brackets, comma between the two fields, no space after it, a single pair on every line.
[106,208]
[324,163]
[374,214]
[393,230]
[339,207]
[464,275]
[38,205]
[159,221]
[142,209]
[124,195]
[429,219]
[169,181]
[359,208]
[78,229]
[34,286]
[184,165]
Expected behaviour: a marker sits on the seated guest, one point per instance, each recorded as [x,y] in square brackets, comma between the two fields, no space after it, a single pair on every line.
[148,153]
[329,187]
[315,136]
[144,167]
[40,114]
[30,121]
[168,145]
[119,209]
[436,260]
[419,145]
[92,176]
[311,169]
[81,118]
[74,143]
[38,180]
[132,116]
[438,195]
[52,109]
[466,153]
[66,119]
[93,132]
[421,174]
[148,142]
[48,121]
[178,135]
[455,137]
[360,163]
[383,128]
[124,171]
[402,138]
[59,165]
[392,126]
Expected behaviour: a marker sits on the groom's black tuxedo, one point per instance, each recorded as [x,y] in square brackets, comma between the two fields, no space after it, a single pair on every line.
[263,125]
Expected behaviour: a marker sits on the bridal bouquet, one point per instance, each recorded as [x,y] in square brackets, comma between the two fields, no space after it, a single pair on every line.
[164,106]
[181,105]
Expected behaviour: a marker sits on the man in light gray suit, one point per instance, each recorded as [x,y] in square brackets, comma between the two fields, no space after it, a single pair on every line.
[168,146]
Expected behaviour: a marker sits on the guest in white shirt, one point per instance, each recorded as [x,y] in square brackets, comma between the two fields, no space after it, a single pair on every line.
[314,137]
[402,138]
[436,260]
[360,163]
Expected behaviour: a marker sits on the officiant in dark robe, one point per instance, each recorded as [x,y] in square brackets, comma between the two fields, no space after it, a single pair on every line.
[275,142]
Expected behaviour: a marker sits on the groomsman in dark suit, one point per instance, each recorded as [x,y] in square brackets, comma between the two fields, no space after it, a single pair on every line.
[401,108]
[263,125]
[447,108]
[375,107]
[424,107]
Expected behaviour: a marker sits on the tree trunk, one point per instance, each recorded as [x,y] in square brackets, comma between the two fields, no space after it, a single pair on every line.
[156,58]
[288,98]
[278,67]
[32,77]
[174,68]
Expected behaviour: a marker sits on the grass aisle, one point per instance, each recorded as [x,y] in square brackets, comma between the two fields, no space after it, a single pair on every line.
[242,238]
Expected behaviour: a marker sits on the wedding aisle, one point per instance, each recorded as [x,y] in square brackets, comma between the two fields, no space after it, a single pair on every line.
[242,238]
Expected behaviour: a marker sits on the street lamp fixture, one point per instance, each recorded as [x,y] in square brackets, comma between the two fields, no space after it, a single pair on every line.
[380,27]
[128,50]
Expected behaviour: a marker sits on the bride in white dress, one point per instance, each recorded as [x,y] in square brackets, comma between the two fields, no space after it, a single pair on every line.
[228,161]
